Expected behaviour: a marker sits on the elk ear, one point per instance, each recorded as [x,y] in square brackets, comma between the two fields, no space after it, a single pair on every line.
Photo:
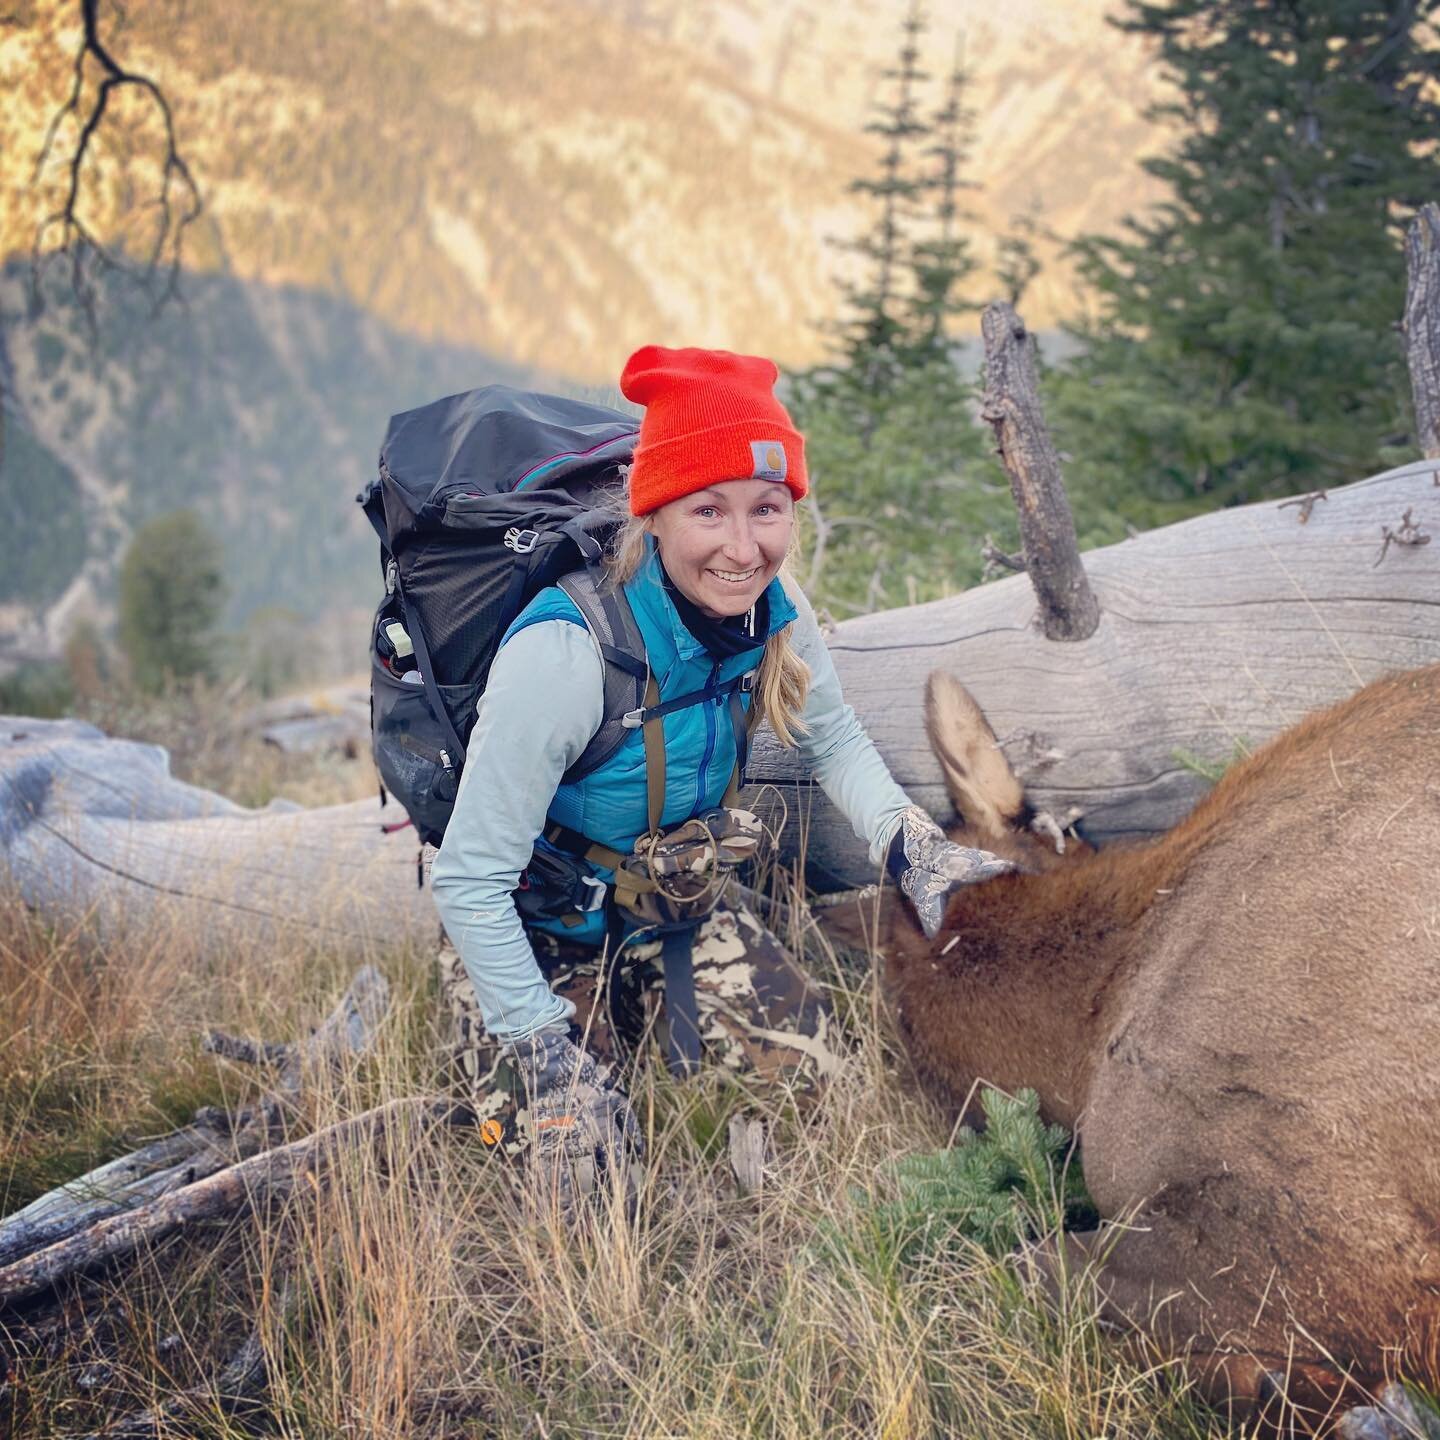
[982,786]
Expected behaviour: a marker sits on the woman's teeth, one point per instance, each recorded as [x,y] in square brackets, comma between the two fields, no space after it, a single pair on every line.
[737,577]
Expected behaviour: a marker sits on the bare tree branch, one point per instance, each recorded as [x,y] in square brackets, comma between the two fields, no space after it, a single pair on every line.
[998,560]
[274,1172]
[1068,607]
[1421,325]
[178,201]
[1305,502]
[1409,533]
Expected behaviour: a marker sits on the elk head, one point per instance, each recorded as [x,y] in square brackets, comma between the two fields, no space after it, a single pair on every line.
[1006,992]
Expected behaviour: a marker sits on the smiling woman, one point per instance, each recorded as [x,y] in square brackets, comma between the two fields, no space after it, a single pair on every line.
[726,543]
[584,906]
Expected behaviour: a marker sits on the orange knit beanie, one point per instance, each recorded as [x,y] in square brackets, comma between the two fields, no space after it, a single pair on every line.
[709,416]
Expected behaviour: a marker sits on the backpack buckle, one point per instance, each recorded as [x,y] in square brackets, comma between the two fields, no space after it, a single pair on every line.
[747,681]
[522,542]
[594,898]
[633,719]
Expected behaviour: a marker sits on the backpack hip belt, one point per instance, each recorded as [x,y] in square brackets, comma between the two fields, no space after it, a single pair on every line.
[677,875]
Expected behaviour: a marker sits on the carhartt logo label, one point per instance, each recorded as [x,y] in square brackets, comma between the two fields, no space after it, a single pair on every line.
[769,458]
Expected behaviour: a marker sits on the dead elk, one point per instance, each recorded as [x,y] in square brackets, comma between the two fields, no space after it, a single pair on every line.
[1241,1019]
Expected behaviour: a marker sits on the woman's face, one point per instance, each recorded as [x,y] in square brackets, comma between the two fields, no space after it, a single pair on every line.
[723,545]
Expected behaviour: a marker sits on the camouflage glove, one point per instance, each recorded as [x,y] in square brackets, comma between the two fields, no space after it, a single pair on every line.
[581,1127]
[928,867]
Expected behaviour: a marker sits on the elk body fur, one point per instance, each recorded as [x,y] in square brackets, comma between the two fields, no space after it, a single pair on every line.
[1241,1020]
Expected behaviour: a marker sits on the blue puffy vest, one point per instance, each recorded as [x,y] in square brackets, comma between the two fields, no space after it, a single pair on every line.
[609,805]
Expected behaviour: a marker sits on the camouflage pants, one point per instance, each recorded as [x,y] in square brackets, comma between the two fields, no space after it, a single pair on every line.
[759,1013]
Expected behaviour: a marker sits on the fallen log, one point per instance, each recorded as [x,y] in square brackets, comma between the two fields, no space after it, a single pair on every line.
[132,1181]
[336,718]
[272,1174]
[97,830]
[1214,635]
[214,1141]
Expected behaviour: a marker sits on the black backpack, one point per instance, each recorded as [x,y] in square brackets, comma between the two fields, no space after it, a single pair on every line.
[483,499]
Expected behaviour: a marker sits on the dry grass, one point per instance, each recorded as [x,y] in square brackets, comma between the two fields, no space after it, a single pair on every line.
[212,741]
[420,1295]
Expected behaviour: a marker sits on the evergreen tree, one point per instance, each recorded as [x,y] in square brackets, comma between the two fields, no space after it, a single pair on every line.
[171,592]
[890,424]
[943,262]
[1015,264]
[872,337]
[1015,1180]
[1245,342]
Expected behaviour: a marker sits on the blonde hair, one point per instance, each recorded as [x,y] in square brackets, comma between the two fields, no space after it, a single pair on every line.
[782,680]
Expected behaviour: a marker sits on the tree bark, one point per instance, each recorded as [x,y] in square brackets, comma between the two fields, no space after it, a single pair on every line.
[1068,608]
[132,1181]
[1422,325]
[215,1140]
[1215,634]
[96,831]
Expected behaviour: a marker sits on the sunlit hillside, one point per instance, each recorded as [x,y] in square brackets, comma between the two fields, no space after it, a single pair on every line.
[558,181]
[406,199]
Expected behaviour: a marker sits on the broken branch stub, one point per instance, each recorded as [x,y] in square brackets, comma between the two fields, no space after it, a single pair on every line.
[215,1141]
[1068,608]
[349,1030]
[1421,325]
[272,1173]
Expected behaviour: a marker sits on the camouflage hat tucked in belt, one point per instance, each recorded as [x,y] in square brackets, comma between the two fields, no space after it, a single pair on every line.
[680,874]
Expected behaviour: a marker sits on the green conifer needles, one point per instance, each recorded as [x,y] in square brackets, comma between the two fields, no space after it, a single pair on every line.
[1016,1179]
[1245,339]
[172,583]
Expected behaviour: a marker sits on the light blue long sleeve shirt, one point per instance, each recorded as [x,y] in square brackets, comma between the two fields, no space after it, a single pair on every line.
[543,702]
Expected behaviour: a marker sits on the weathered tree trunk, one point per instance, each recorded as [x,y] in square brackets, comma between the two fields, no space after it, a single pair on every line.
[1068,608]
[97,829]
[1422,324]
[1214,635]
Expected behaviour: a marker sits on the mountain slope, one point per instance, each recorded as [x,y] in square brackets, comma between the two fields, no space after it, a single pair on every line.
[406,197]
[261,408]
[559,181]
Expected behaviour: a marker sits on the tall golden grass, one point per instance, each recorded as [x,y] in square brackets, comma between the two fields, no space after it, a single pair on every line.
[422,1291]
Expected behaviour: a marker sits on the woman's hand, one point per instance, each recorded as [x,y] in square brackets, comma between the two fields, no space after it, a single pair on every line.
[928,867]
[582,1130]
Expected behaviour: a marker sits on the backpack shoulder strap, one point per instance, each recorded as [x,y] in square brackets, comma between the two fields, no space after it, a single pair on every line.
[607,612]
